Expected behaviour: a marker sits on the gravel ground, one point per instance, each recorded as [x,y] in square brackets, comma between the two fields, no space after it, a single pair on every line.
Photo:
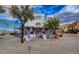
[69,44]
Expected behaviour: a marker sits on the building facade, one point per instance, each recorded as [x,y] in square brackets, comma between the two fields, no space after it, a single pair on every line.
[38,21]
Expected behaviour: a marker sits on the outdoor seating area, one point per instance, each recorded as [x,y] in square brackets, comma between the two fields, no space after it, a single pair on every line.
[41,33]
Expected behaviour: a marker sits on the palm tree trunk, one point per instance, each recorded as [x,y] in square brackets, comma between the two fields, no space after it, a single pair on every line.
[22,32]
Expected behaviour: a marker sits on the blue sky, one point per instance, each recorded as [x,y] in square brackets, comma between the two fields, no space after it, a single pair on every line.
[48,9]
[70,13]
[8,27]
[6,17]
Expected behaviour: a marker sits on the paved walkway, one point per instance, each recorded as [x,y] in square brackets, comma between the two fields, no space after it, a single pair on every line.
[68,45]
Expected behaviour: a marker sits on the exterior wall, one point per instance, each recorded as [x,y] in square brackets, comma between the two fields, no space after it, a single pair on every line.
[38,18]
[76,24]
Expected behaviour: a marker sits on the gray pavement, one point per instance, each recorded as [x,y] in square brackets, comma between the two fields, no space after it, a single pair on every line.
[69,44]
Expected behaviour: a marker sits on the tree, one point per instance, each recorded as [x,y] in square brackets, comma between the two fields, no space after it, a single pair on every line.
[52,23]
[2,10]
[23,13]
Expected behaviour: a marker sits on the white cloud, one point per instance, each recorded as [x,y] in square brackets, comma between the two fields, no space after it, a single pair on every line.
[50,15]
[34,6]
[67,22]
[7,16]
[70,8]
[69,14]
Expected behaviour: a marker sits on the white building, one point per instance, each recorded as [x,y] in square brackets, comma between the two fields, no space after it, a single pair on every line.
[38,21]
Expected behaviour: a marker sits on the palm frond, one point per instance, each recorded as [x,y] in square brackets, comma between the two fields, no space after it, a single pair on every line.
[52,23]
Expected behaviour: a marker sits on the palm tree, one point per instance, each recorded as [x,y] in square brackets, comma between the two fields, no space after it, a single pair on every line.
[24,13]
[52,23]
[2,10]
